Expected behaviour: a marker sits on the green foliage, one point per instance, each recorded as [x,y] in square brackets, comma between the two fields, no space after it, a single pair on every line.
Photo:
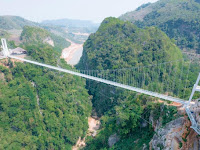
[127,114]
[42,53]
[4,34]
[180,145]
[169,114]
[42,109]
[122,45]
[35,35]
[143,6]
[11,44]
[177,18]
[59,42]
[117,45]
[139,134]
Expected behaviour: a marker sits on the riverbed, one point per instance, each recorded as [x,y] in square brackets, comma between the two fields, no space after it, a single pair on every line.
[73,53]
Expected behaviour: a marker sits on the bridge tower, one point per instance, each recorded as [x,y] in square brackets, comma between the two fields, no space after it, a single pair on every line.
[6,52]
[195,125]
[196,88]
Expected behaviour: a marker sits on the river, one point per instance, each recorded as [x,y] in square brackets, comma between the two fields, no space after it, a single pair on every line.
[73,53]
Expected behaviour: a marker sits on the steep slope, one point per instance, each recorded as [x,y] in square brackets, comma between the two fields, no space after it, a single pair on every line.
[40,35]
[179,19]
[15,22]
[119,44]
[123,43]
[116,45]
[40,108]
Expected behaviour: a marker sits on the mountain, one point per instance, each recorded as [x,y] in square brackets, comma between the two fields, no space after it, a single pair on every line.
[40,35]
[75,30]
[179,19]
[15,22]
[70,23]
[117,45]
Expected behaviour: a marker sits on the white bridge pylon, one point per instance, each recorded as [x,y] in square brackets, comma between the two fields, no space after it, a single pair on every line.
[139,90]
[6,52]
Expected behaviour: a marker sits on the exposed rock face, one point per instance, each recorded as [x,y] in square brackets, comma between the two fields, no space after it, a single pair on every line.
[94,125]
[195,109]
[113,139]
[176,135]
[49,41]
[170,136]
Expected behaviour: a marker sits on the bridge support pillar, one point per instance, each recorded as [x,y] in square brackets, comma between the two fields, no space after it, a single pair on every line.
[196,87]
[6,52]
[195,125]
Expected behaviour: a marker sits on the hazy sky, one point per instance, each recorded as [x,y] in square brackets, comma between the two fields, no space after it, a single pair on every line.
[95,10]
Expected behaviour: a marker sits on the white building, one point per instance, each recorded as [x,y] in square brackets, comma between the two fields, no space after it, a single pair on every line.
[18,51]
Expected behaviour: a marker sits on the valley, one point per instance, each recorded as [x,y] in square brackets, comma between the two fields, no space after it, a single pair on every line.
[154,49]
[73,53]
[94,125]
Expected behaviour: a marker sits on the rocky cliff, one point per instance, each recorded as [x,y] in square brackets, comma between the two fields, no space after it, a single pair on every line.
[177,134]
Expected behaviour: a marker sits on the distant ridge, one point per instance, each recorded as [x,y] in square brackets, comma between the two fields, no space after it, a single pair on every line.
[70,23]
[15,22]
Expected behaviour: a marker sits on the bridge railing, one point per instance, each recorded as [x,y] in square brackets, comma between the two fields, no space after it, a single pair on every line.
[195,126]
[136,79]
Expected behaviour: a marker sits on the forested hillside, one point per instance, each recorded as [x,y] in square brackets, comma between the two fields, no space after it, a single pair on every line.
[14,22]
[179,19]
[121,45]
[45,109]
[40,108]
[117,45]
[37,35]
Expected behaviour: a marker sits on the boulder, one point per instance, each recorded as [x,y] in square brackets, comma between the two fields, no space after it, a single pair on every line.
[113,139]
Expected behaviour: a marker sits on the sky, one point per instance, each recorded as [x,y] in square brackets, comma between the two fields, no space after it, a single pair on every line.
[94,10]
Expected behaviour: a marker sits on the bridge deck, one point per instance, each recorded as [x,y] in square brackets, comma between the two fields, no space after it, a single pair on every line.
[162,96]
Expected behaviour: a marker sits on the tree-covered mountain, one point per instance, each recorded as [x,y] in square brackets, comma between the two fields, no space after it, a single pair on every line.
[15,22]
[117,45]
[179,19]
[44,109]
[40,108]
[39,35]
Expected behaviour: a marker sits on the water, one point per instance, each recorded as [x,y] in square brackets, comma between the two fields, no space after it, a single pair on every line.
[76,57]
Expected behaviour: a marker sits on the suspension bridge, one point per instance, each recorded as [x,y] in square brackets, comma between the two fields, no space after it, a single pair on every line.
[166,78]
